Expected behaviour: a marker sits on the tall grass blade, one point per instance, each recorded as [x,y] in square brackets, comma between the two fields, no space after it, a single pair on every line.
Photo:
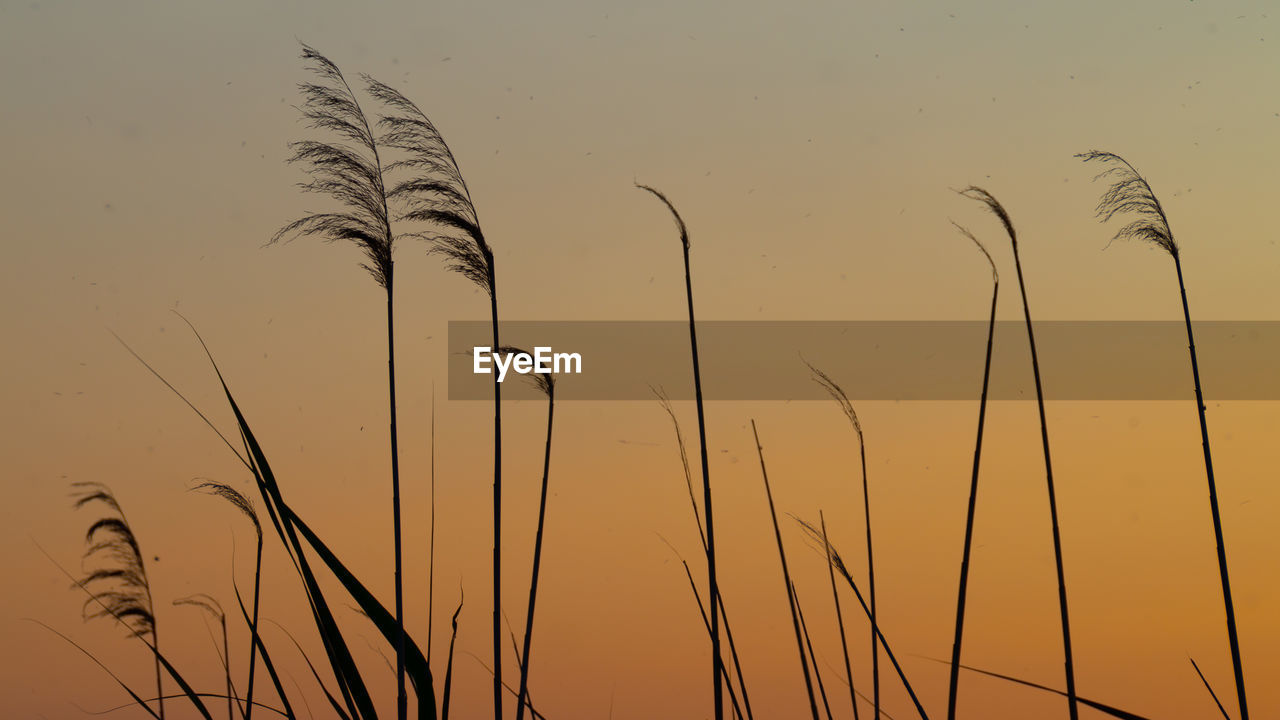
[987,199]
[1100,707]
[1130,194]
[786,577]
[1209,687]
[973,483]
[713,592]
[448,669]
[136,698]
[333,701]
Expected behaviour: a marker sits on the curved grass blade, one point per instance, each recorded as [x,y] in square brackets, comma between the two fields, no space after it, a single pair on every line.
[138,700]
[1209,687]
[1100,707]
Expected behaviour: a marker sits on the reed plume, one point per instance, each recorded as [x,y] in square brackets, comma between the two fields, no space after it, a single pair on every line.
[1130,194]
[713,591]
[973,483]
[350,171]
[842,399]
[245,507]
[987,199]
[436,194]
[117,580]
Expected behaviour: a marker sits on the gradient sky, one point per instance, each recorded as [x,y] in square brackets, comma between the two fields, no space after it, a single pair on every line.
[811,150]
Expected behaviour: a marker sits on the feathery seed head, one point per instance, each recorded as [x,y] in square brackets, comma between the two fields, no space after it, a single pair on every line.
[1130,194]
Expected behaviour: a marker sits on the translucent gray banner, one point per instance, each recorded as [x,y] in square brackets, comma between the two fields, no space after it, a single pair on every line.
[743,360]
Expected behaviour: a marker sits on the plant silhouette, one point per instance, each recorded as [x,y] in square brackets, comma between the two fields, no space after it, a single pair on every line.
[1130,194]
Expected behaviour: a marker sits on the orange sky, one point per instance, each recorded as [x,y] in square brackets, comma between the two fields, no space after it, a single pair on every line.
[811,151]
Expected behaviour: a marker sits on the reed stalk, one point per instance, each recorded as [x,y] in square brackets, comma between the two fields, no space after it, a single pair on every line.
[1131,194]
[786,577]
[973,483]
[713,591]
[435,193]
[355,178]
[986,198]
[842,399]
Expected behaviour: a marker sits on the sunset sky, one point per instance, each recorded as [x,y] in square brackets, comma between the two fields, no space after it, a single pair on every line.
[812,150]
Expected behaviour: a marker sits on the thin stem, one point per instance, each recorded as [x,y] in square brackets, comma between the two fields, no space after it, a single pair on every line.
[1232,635]
[835,596]
[786,577]
[537,559]
[713,599]
[155,644]
[431,552]
[1072,705]
[813,658]
[497,512]
[402,701]
[253,630]
[969,517]
[871,579]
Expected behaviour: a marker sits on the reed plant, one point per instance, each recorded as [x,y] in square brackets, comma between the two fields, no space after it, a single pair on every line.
[702,537]
[993,205]
[713,589]
[954,685]
[117,581]
[834,558]
[842,399]
[433,192]
[350,170]
[786,578]
[244,506]
[210,605]
[1131,195]
[546,384]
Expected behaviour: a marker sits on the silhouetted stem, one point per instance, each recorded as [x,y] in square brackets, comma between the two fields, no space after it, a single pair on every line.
[1072,706]
[253,630]
[813,658]
[969,517]
[402,702]
[1232,636]
[537,559]
[786,577]
[497,512]
[714,591]
[835,596]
